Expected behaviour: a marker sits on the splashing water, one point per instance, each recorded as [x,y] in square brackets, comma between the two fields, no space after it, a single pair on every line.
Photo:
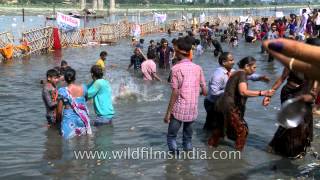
[129,89]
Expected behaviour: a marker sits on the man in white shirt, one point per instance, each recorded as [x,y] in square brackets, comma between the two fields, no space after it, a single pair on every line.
[217,84]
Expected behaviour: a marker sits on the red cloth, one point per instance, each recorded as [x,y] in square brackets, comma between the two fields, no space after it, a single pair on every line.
[56,39]
[318,99]
[94,34]
[281,30]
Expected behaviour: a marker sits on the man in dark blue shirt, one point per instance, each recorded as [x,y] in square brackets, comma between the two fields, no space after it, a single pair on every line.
[136,59]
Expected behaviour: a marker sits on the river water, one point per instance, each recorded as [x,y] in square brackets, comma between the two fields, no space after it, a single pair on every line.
[29,150]
[12,21]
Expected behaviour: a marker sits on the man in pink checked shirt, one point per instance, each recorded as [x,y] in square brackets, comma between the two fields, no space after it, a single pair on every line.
[187,79]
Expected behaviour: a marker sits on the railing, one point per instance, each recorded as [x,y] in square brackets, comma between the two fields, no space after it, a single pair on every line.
[41,40]
[5,39]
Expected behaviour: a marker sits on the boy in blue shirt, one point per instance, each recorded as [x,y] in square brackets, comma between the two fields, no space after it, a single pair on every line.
[100,91]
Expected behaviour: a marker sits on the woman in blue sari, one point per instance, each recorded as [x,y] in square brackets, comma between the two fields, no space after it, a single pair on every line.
[72,108]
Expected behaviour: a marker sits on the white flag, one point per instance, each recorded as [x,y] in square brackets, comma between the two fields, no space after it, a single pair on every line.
[67,22]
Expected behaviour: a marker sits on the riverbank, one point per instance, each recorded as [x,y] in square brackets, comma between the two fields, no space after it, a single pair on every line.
[45,10]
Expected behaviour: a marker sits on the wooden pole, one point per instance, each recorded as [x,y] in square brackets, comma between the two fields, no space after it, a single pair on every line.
[94,4]
[112,6]
[82,4]
[22,14]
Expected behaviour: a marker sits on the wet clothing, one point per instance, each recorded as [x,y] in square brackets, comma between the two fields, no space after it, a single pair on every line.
[249,36]
[219,79]
[139,45]
[164,58]
[152,50]
[100,91]
[217,46]
[75,119]
[230,110]
[49,97]
[293,142]
[173,130]
[148,68]
[136,60]
[223,38]
[101,63]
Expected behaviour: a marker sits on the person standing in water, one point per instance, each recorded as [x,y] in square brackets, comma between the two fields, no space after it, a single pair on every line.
[136,59]
[166,52]
[50,96]
[294,142]
[187,82]
[232,104]
[100,90]
[149,67]
[101,61]
[272,34]
[72,109]
[152,48]
[216,87]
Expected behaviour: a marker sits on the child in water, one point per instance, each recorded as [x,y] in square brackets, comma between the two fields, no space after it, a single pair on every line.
[50,95]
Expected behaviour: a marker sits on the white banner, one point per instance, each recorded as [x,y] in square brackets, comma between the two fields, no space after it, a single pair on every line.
[202,18]
[279,14]
[246,19]
[308,11]
[135,30]
[66,22]
[159,18]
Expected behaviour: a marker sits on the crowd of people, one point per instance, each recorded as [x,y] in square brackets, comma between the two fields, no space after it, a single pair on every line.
[227,92]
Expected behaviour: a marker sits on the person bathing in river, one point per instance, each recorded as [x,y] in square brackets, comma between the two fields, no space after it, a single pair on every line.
[60,69]
[100,90]
[102,60]
[216,87]
[50,96]
[149,67]
[152,49]
[72,109]
[165,53]
[294,142]
[136,59]
[63,66]
[140,44]
[218,48]
[232,104]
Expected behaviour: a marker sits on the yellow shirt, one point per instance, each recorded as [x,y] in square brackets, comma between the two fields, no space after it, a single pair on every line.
[100,63]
